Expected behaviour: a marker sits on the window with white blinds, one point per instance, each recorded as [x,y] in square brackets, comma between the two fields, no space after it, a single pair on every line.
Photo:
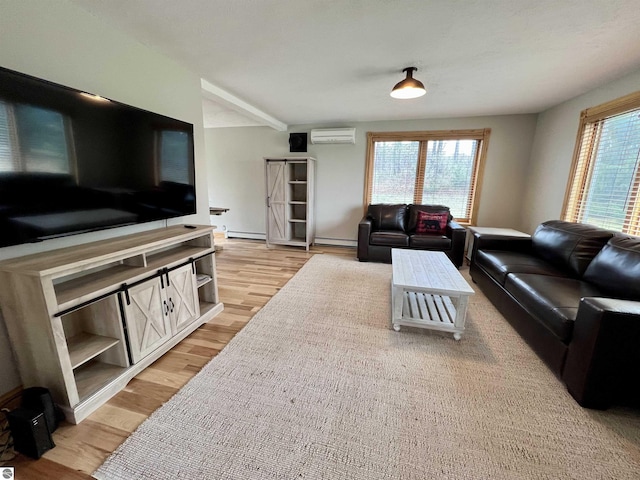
[33,139]
[394,172]
[439,167]
[9,158]
[174,147]
[605,179]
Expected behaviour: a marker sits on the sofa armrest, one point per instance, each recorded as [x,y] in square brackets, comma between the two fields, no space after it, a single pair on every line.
[364,232]
[454,226]
[488,241]
[458,235]
[603,356]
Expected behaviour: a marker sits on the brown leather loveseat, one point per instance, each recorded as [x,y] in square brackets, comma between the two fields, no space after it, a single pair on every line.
[419,227]
[572,291]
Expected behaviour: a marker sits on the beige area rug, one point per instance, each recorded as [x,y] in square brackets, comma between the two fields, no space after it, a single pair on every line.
[318,386]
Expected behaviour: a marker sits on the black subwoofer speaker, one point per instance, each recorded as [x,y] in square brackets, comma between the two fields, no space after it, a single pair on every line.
[30,432]
[297,142]
[39,399]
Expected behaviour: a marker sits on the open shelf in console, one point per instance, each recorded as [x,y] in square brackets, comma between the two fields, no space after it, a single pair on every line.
[206,281]
[93,375]
[85,346]
[95,342]
[202,279]
[75,289]
[161,258]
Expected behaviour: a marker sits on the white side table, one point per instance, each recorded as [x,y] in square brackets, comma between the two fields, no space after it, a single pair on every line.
[507,232]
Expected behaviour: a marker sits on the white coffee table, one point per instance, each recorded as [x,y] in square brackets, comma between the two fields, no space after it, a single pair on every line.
[427,291]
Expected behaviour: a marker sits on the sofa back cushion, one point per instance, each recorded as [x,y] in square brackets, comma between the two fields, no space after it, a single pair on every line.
[414,209]
[567,245]
[387,216]
[616,269]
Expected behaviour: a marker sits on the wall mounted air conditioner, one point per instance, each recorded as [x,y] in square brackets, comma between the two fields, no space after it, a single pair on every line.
[333,135]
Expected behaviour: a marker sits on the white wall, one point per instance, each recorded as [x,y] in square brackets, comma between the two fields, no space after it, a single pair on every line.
[552,150]
[237,173]
[62,43]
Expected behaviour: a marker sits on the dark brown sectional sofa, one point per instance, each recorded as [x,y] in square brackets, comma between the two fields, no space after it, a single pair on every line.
[572,291]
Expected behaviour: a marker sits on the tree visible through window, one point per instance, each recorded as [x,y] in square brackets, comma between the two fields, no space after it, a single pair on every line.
[449,175]
[428,168]
[603,186]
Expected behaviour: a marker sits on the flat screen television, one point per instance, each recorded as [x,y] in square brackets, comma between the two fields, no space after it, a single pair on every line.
[73,162]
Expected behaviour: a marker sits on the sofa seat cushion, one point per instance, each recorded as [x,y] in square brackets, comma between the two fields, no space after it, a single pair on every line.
[553,301]
[430,242]
[389,238]
[498,264]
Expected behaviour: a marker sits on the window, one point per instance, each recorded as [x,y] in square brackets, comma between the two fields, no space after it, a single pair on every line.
[605,176]
[175,156]
[439,167]
[33,139]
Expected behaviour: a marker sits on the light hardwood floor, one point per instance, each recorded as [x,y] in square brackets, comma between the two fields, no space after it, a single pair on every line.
[249,274]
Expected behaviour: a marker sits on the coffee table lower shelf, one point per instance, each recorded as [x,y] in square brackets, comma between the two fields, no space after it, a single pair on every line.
[426,310]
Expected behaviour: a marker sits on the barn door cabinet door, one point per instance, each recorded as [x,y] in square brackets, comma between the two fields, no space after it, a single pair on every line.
[182,299]
[147,318]
[277,225]
[159,308]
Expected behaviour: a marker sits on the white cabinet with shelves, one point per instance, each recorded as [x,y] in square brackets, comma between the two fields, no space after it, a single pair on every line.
[85,320]
[290,206]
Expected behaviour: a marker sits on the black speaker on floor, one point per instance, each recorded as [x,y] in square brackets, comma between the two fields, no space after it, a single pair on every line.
[297,142]
[30,432]
[39,399]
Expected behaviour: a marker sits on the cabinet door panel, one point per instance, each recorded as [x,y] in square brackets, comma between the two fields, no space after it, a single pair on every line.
[147,319]
[277,226]
[183,298]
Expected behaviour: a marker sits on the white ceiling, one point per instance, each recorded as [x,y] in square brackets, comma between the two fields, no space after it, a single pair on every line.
[335,61]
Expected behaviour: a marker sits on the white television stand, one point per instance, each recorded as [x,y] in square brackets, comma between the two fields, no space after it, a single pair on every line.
[84,320]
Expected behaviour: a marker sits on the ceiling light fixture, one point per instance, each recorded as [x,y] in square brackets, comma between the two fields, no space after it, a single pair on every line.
[409,87]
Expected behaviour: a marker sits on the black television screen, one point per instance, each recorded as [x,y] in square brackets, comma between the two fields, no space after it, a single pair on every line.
[73,162]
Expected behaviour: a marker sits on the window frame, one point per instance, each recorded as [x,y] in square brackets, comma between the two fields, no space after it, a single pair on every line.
[481,135]
[589,128]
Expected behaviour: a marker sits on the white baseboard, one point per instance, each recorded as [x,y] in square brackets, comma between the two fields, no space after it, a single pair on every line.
[340,242]
[247,235]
